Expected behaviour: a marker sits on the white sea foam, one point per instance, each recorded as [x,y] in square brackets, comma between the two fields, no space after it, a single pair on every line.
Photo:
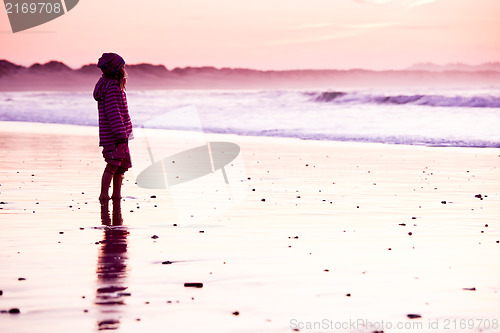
[453,118]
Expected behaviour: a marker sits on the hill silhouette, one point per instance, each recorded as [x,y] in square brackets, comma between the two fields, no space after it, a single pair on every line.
[55,75]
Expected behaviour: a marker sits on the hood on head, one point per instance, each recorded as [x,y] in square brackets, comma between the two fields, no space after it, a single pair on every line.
[110,63]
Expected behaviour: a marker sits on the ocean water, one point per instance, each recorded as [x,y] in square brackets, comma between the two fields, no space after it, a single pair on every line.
[461,118]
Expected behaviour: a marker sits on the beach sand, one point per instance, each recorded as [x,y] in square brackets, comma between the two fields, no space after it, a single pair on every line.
[325,237]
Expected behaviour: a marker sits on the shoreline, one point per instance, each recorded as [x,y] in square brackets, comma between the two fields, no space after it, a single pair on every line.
[40,127]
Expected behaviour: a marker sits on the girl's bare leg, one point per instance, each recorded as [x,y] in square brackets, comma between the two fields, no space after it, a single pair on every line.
[107,177]
[117,186]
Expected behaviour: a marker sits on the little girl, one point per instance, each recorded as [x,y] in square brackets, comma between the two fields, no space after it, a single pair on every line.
[115,127]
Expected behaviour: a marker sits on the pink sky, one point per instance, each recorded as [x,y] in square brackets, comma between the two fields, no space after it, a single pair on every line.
[265,34]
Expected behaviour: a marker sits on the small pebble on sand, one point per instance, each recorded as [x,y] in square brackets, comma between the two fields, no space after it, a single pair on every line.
[193,284]
[413,316]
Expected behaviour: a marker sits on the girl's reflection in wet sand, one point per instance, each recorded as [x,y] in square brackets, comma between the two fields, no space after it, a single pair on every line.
[111,268]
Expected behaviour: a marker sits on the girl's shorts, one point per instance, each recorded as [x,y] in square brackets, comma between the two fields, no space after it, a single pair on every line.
[118,155]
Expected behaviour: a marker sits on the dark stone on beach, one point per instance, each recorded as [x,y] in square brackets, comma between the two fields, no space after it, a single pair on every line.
[21,279]
[470,289]
[193,284]
[14,311]
[413,316]
[348,295]
[403,224]
[262,200]
[154,237]
[378,332]
[479,196]
[326,270]
[175,224]
[443,202]
[61,232]
[1,292]
[166,263]
[253,190]
[236,313]
[410,233]
[486,225]
[390,249]
[2,203]
[153,196]
[202,232]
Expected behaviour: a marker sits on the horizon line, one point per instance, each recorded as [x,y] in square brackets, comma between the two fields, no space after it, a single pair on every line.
[497,62]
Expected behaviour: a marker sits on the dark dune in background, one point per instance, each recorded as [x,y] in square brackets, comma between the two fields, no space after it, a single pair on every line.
[55,75]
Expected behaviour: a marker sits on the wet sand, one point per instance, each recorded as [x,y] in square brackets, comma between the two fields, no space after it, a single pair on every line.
[329,237]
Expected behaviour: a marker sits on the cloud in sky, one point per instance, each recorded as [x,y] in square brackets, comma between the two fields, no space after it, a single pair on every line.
[355,26]
[329,31]
[407,3]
